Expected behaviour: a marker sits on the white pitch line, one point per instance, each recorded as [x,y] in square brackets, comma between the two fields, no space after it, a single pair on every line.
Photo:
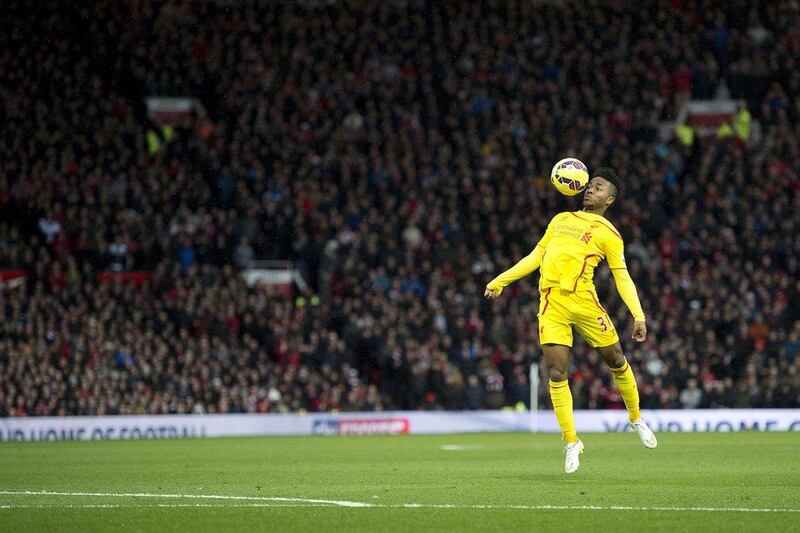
[589,508]
[159,505]
[309,502]
[183,496]
[459,448]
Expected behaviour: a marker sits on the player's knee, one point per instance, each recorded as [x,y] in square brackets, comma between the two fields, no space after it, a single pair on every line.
[615,357]
[557,374]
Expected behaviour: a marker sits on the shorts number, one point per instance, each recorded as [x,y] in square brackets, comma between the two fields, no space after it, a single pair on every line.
[603,325]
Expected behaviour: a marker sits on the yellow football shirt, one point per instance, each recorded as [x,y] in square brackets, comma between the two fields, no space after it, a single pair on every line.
[574,244]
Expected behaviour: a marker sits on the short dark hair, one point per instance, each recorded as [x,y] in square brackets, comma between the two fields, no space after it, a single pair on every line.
[609,174]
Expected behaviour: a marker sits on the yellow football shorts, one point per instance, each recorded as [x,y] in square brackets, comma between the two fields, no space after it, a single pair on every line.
[560,311]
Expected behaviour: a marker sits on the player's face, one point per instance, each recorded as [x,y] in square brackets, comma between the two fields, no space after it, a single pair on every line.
[598,193]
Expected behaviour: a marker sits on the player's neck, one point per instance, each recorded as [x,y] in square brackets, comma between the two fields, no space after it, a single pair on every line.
[595,211]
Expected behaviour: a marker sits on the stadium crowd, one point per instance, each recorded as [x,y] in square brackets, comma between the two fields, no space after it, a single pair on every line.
[398,153]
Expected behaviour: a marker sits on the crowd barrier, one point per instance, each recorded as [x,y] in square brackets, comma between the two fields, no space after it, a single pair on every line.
[392,422]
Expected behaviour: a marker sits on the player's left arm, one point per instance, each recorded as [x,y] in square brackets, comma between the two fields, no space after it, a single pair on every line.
[615,254]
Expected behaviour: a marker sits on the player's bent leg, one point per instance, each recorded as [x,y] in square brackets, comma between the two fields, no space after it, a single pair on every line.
[626,384]
[612,355]
[623,377]
[557,359]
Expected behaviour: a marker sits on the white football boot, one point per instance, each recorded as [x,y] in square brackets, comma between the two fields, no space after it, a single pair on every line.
[572,454]
[646,434]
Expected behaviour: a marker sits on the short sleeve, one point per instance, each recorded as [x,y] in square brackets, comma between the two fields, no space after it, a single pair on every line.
[615,252]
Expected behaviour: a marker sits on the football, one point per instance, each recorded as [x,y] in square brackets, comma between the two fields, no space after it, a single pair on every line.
[569,176]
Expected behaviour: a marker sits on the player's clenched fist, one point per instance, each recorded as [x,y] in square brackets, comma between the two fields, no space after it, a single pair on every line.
[492,293]
[639,331]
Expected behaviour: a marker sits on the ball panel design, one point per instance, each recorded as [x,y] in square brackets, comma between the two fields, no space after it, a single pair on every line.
[569,176]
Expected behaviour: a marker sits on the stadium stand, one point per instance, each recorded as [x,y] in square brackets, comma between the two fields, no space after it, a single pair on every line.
[397,152]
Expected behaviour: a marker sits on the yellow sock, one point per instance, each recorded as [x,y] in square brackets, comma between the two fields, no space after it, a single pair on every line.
[562,405]
[626,384]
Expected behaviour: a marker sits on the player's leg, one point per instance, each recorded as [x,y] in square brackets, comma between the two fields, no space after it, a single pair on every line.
[594,325]
[623,377]
[556,358]
[555,336]
[626,384]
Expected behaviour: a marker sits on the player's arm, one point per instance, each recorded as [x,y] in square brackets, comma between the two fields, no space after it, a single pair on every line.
[524,266]
[625,286]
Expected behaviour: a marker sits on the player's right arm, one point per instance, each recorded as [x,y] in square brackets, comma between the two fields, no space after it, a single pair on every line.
[524,266]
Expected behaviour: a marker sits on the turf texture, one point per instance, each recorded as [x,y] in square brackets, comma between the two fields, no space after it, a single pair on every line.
[692,482]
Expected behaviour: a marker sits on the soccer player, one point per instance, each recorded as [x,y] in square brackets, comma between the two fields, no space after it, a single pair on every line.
[572,246]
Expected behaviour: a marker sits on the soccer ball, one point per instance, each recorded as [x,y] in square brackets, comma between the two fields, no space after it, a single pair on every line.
[569,176]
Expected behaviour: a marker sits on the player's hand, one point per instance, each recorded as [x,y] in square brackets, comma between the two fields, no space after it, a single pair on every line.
[492,293]
[639,331]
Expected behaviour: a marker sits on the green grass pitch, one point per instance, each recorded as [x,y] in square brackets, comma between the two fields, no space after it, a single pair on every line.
[692,482]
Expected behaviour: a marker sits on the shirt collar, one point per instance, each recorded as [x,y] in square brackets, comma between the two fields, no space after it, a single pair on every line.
[590,215]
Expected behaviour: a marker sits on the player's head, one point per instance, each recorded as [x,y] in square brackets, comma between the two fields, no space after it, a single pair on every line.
[602,189]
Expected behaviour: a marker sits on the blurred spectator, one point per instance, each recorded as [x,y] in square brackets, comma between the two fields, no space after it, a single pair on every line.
[691,396]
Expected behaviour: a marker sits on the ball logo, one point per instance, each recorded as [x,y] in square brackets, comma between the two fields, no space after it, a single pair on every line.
[572,184]
[575,164]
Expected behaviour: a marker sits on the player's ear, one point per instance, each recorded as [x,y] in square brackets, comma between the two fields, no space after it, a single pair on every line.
[610,200]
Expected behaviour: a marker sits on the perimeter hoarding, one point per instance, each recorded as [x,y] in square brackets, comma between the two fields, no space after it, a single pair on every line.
[394,422]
